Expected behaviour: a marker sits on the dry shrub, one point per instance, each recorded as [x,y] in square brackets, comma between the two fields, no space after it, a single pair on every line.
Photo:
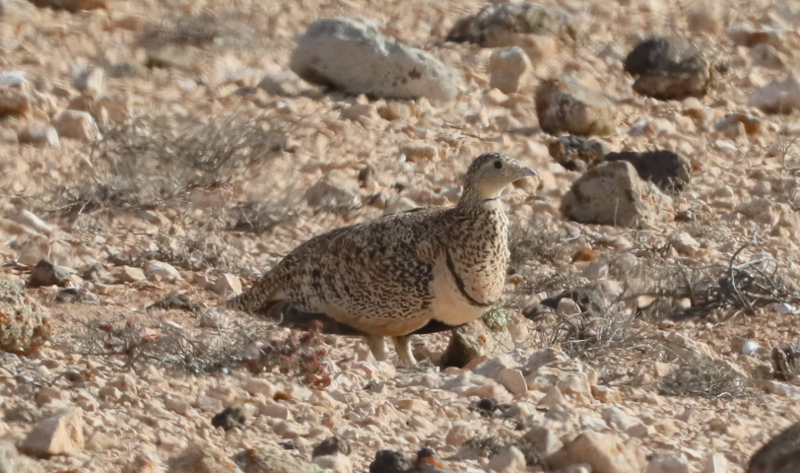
[742,288]
[548,282]
[252,345]
[185,30]
[192,253]
[534,241]
[234,28]
[704,377]
[154,163]
[600,339]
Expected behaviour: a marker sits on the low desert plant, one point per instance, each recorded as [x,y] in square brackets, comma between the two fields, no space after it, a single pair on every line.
[192,253]
[251,345]
[704,377]
[153,163]
[534,241]
[199,29]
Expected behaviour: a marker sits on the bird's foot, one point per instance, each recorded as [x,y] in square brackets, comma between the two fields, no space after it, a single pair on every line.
[402,346]
[378,347]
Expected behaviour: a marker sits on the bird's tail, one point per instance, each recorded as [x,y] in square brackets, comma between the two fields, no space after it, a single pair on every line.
[258,300]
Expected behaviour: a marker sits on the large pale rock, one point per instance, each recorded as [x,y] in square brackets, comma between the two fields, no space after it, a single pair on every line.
[566,105]
[777,96]
[350,54]
[23,325]
[76,125]
[605,453]
[202,459]
[667,71]
[508,69]
[15,93]
[60,434]
[614,194]
[779,455]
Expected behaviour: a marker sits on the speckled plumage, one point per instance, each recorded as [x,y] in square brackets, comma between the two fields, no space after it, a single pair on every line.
[422,270]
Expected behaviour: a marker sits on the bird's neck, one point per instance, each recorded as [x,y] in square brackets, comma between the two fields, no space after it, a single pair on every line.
[473,198]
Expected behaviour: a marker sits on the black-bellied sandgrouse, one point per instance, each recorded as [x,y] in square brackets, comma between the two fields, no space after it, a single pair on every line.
[421,271]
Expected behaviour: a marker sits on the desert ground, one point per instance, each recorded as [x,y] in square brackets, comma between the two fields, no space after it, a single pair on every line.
[157,156]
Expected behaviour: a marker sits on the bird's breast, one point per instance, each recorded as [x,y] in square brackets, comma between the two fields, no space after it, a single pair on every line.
[449,304]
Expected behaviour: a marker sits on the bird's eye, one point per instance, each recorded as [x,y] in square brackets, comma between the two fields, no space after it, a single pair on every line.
[498,164]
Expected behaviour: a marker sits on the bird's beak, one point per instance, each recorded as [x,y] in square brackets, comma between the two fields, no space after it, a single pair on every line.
[527,172]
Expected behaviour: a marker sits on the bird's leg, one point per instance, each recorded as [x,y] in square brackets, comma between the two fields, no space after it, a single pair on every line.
[402,346]
[378,347]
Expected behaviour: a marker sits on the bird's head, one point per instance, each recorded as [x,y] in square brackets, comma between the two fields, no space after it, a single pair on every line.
[490,173]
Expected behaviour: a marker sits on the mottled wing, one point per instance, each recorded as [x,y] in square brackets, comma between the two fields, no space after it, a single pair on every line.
[371,277]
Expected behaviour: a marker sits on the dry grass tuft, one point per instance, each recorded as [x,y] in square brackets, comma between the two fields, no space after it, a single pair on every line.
[251,345]
[186,30]
[534,240]
[599,339]
[551,283]
[192,253]
[706,378]
[154,163]
[742,288]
